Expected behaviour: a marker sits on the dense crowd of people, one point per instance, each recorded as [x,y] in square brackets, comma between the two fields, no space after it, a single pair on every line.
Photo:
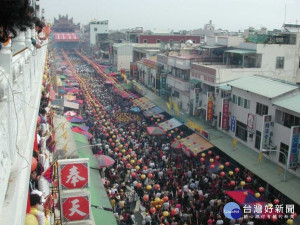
[149,177]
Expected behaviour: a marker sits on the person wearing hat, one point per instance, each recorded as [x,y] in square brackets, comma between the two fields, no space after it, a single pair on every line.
[36,215]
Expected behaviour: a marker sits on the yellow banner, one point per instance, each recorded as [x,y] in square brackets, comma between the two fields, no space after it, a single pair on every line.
[260,157]
[65,147]
[176,109]
[194,126]
[234,142]
[65,135]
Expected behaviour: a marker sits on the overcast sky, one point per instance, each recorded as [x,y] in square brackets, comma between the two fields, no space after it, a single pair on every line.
[232,15]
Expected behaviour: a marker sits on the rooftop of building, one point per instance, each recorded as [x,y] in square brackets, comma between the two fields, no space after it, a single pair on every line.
[290,103]
[267,87]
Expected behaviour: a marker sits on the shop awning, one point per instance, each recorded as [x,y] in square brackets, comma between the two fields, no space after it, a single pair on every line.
[151,112]
[241,51]
[195,143]
[143,103]
[195,81]
[71,105]
[170,124]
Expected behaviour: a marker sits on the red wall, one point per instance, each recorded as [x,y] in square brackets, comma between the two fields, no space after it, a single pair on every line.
[151,39]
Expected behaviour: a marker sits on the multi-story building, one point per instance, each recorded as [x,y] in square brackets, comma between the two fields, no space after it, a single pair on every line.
[123,53]
[262,113]
[98,28]
[272,59]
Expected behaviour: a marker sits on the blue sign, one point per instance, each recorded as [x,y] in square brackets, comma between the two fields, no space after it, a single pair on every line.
[232,124]
[232,210]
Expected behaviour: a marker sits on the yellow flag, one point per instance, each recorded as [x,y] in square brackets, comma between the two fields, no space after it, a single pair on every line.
[63,127]
[260,157]
[279,171]
[65,135]
[65,147]
[234,142]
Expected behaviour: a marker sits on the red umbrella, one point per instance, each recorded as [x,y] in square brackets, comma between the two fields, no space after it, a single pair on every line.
[105,161]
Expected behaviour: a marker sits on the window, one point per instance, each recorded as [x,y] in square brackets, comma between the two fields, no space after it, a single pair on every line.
[234,99]
[171,40]
[241,131]
[183,42]
[194,41]
[95,29]
[246,103]
[145,40]
[257,140]
[284,149]
[261,109]
[240,101]
[157,41]
[279,62]
[175,94]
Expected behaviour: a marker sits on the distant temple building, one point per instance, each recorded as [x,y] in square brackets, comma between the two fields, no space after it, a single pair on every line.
[66,33]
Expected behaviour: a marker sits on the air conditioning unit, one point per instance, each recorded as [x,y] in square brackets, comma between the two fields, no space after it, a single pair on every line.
[273,147]
[271,134]
[272,124]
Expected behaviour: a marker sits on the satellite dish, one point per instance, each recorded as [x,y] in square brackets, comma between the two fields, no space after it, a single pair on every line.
[189,43]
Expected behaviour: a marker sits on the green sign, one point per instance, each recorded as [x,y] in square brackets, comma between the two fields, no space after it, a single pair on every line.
[163,85]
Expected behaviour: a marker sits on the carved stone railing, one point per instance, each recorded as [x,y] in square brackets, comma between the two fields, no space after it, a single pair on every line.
[21,73]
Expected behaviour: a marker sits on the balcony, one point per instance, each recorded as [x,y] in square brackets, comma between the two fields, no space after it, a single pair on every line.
[182,85]
[21,73]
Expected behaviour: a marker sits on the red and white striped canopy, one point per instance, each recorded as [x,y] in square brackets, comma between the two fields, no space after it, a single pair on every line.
[71,37]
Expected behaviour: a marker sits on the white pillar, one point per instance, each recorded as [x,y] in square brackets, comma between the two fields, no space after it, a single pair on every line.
[28,35]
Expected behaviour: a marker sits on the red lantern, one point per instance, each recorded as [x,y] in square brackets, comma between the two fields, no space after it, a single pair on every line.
[157,186]
[209,152]
[150,175]
[194,142]
[237,170]
[116,149]
[129,150]
[133,174]
[152,210]
[276,201]
[217,157]
[110,140]
[138,185]
[33,164]
[155,123]
[227,164]
[248,179]
[261,189]
[171,125]
[128,165]
[222,174]
[173,212]
[165,199]
[145,168]
[176,129]
[113,144]
[232,183]
[202,160]
[151,119]
[212,166]
[126,145]
[175,139]
[169,135]
[145,198]
[181,133]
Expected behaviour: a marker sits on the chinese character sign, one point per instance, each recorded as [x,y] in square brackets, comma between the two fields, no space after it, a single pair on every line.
[73,174]
[294,149]
[232,124]
[266,129]
[210,106]
[250,123]
[225,114]
[75,208]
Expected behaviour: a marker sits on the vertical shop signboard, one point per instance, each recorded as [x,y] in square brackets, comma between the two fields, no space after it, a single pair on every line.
[225,114]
